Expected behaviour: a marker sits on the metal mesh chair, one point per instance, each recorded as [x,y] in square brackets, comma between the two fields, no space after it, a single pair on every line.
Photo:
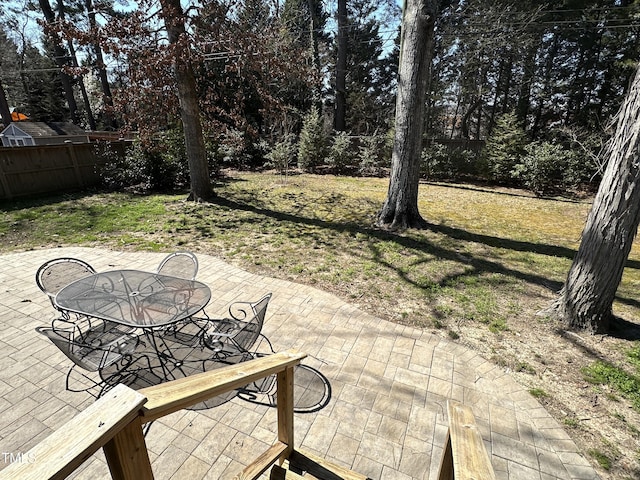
[239,332]
[179,264]
[91,351]
[55,274]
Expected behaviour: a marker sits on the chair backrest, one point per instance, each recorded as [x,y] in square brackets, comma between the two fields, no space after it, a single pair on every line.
[179,264]
[253,314]
[55,274]
[82,355]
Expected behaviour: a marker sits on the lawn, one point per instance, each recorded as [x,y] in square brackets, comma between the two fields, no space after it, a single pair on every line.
[491,259]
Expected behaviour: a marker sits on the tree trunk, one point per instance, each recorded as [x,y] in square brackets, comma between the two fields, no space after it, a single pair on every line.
[5,114]
[60,56]
[528,78]
[173,17]
[315,27]
[546,85]
[400,209]
[586,299]
[100,65]
[74,61]
[339,122]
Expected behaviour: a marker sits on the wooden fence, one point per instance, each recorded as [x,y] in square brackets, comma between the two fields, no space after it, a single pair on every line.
[51,168]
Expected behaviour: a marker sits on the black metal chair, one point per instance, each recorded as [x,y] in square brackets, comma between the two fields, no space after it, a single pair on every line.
[240,331]
[92,351]
[179,264]
[54,275]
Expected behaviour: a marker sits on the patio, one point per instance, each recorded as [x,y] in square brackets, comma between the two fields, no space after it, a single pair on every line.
[389,387]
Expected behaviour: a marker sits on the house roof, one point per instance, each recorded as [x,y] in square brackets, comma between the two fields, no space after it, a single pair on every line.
[48,129]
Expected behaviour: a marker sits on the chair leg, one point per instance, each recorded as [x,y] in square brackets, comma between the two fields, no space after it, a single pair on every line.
[87,389]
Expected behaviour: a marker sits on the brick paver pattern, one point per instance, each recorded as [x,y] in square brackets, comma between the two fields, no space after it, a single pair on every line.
[389,387]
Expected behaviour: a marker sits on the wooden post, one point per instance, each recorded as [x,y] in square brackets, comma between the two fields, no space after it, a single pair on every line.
[3,178]
[76,166]
[285,410]
[127,454]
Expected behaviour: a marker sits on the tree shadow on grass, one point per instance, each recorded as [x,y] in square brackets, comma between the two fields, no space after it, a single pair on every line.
[486,188]
[624,329]
[47,199]
[477,265]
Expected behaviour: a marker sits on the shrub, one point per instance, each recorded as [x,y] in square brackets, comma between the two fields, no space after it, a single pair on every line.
[438,162]
[341,153]
[504,148]
[583,149]
[161,165]
[282,154]
[434,162]
[238,150]
[542,167]
[374,155]
[312,146]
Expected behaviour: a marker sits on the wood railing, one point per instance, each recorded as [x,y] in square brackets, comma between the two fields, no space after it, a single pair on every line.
[464,455]
[115,424]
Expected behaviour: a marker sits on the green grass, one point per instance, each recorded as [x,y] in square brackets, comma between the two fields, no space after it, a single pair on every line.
[604,373]
[571,422]
[488,259]
[538,393]
[633,354]
[603,460]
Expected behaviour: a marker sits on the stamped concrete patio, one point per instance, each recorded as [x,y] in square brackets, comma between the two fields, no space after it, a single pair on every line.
[386,417]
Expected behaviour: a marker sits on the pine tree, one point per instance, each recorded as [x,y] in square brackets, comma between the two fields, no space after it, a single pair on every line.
[505,147]
[312,146]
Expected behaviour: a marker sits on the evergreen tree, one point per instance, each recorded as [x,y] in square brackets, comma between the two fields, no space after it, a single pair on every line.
[505,147]
[45,100]
[371,68]
[312,146]
[370,71]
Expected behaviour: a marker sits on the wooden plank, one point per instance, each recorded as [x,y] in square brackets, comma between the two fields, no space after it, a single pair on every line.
[284,404]
[127,454]
[63,451]
[263,462]
[321,468]
[470,458]
[170,397]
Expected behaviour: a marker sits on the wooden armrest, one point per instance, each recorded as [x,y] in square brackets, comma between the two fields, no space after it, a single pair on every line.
[170,397]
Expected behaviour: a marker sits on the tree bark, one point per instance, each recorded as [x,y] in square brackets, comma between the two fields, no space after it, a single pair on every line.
[5,114]
[339,122]
[100,65]
[586,299]
[60,56]
[173,17]
[400,209]
[74,61]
